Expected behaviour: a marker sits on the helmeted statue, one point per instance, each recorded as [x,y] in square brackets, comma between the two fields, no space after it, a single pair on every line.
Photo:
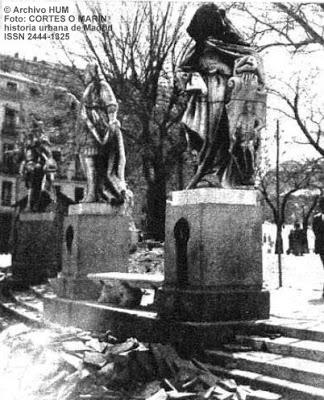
[100,143]
[37,165]
[226,109]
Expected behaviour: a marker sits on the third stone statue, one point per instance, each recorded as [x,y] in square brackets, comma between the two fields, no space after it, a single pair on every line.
[227,104]
[101,145]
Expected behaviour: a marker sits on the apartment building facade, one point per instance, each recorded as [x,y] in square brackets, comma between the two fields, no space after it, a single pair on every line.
[32,91]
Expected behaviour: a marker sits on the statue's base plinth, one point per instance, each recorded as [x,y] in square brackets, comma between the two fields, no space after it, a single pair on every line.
[69,287]
[37,247]
[212,305]
[96,239]
[213,257]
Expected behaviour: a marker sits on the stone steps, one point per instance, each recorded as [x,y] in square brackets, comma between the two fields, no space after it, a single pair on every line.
[286,375]
[29,301]
[293,347]
[303,330]
[284,367]
[22,313]
[289,390]
[281,355]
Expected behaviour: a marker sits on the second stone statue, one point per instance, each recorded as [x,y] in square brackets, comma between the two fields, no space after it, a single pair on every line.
[100,142]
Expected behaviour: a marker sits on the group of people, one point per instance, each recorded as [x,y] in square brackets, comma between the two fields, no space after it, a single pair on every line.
[298,239]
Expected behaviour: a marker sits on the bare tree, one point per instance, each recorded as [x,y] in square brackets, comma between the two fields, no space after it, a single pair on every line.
[299,28]
[293,176]
[303,107]
[138,56]
[307,211]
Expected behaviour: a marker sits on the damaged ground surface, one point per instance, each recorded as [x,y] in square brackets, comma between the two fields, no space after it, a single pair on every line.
[70,364]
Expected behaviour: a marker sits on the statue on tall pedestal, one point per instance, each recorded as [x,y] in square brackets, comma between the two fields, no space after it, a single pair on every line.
[101,144]
[207,276]
[37,165]
[226,108]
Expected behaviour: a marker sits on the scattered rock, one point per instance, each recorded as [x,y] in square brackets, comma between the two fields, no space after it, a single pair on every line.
[95,359]
[14,331]
[180,395]
[107,370]
[73,360]
[97,345]
[130,344]
[228,384]
[160,395]
[70,364]
[262,395]
[75,345]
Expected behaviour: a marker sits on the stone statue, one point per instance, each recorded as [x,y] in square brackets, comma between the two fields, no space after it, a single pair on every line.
[244,145]
[37,165]
[226,109]
[101,146]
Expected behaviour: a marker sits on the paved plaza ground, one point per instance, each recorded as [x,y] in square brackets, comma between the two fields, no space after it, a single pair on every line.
[298,272]
[301,294]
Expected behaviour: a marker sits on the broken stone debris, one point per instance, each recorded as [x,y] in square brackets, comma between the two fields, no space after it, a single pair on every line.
[147,261]
[70,364]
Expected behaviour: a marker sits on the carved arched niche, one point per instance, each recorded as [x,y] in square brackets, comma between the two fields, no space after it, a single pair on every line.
[69,235]
[181,234]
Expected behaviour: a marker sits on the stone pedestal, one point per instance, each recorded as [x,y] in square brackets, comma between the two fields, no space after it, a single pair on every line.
[37,247]
[213,257]
[96,238]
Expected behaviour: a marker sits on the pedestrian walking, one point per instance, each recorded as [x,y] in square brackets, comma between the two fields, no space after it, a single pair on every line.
[318,228]
[296,239]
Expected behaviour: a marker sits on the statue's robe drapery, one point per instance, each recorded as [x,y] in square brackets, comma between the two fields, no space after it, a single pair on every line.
[98,104]
[95,102]
[208,126]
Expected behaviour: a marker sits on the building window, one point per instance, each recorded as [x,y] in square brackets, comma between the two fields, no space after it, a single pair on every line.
[7,147]
[5,66]
[78,194]
[7,156]
[34,92]
[6,193]
[10,117]
[12,86]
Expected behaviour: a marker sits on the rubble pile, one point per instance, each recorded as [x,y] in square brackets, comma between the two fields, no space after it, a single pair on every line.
[71,364]
[147,261]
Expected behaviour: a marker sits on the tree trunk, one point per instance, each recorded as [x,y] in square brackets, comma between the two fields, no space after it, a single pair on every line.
[155,212]
[279,251]
[279,243]
[180,162]
[305,246]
